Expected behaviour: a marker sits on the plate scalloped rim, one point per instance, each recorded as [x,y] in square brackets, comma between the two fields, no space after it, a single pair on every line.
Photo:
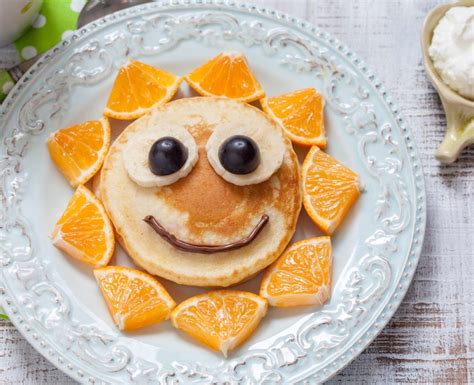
[72,368]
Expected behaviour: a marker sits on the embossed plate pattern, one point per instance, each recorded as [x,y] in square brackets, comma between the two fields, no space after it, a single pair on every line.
[54,301]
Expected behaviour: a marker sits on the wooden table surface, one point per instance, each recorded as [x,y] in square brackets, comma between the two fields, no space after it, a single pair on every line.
[430,339]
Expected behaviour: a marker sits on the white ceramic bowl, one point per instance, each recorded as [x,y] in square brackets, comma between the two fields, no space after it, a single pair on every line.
[15,17]
[458,109]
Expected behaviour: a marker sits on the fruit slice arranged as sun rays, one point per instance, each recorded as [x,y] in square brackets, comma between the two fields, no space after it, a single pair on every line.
[84,231]
[173,247]
[329,189]
[79,151]
[135,299]
[301,115]
[220,319]
[228,75]
[301,276]
[138,88]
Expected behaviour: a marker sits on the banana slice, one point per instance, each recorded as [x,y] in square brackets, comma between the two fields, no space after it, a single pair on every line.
[270,143]
[135,157]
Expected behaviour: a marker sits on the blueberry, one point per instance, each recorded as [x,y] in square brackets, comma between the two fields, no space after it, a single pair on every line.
[167,155]
[239,154]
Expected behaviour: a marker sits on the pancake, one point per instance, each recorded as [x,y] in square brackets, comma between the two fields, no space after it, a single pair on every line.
[202,208]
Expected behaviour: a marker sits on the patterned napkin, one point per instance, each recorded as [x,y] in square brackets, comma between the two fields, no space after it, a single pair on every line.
[56,21]
[6,84]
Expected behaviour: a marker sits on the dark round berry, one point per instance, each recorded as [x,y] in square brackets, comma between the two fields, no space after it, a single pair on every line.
[167,155]
[239,154]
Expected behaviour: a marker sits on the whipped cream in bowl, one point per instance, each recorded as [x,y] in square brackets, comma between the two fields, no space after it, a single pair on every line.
[447,42]
[452,50]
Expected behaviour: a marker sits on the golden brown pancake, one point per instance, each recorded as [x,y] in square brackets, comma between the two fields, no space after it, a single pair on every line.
[202,208]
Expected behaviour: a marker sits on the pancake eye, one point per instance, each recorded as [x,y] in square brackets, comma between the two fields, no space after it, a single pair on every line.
[239,154]
[248,153]
[160,155]
[167,156]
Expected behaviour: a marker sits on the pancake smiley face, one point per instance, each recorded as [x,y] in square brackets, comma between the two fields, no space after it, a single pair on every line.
[203,191]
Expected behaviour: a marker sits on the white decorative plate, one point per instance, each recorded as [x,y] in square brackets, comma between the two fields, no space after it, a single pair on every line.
[55,303]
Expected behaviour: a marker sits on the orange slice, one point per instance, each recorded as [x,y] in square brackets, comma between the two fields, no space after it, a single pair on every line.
[138,88]
[301,276]
[84,231]
[134,299]
[329,189]
[227,75]
[301,115]
[220,319]
[79,151]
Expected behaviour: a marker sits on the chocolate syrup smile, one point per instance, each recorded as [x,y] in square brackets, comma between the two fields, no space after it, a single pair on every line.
[205,249]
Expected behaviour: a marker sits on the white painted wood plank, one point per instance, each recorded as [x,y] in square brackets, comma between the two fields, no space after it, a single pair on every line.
[430,339]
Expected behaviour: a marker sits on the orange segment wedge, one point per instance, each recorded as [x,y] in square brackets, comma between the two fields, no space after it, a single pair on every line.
[227,75]
[79,151]
[329,189]
[301,276]
[138,88]
[301,115]
[220,319]
[84,231]
[134,299]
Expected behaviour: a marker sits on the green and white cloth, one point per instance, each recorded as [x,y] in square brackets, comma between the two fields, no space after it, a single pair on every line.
[6,84]
[56,21]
